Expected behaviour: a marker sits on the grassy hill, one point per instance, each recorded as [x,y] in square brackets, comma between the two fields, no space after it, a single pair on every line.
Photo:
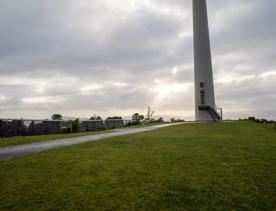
[216,166]
[18,140]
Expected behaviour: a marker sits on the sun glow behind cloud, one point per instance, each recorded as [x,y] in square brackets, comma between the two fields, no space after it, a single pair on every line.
[2,97]
[43,100]
[237,78]
[165,90]
[268,74]
[120,84]
[91,87]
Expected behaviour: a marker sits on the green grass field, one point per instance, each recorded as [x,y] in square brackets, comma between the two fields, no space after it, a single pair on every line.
[16,140]
[216,166]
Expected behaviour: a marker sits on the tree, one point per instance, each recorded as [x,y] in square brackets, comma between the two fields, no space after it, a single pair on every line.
[75,125]
[114,117]
[177,120]
[56,117]
[173,119]
[95,118]
[251,118]
[160,120]
[137,117]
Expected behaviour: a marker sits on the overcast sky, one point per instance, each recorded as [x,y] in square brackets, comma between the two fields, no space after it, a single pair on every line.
[104,57]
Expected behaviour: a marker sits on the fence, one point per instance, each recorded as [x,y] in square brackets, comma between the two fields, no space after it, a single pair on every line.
[25,127]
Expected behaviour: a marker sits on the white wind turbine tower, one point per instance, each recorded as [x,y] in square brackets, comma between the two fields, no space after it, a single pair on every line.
[205,107]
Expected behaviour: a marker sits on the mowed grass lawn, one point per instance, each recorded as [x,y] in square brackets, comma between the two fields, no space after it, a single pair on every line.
[17,140]
[221,166]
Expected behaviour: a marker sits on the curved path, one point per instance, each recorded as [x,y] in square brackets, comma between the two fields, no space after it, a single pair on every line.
[14,151]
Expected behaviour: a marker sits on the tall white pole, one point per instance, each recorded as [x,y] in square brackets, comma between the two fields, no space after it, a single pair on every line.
[203,73]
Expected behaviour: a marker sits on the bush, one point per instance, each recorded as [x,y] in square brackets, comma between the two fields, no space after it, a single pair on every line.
[65,130]
[160,120]
[114,117]
[177,120]
[251,118]
[264,121]
[136,119]
[75,126]
[95,118]
[132,123]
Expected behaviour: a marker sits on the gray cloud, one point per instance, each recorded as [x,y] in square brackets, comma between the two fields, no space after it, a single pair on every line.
[85,57]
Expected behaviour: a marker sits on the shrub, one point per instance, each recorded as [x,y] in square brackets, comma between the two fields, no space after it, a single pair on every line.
[75,126]
[95,118]
[251,118]
[132,123]
[114,117]
[65,130]
[177,120]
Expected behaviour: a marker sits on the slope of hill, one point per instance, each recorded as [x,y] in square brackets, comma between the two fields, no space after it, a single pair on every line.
[216,166]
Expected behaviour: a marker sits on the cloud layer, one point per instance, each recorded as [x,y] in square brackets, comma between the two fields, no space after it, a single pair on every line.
[81,58]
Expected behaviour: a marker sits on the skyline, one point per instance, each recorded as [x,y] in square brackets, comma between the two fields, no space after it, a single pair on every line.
[116,58]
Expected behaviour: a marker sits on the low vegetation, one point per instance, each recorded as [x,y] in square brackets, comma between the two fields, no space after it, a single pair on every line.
[16,140]
[263,121]
[215,166]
